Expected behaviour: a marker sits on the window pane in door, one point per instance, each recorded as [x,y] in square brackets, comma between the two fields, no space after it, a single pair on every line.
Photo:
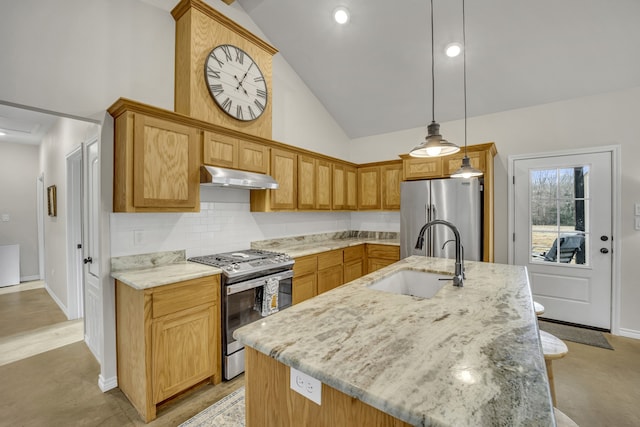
[558,215]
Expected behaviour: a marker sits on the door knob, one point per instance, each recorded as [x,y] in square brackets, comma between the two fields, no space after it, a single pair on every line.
[88,260]
[604,251]
[604,238]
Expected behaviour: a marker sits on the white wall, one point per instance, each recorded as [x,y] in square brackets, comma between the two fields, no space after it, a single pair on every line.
[608,119]
[18,200]
[63,137]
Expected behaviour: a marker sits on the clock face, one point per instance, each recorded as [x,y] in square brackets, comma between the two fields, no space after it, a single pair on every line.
[235,82]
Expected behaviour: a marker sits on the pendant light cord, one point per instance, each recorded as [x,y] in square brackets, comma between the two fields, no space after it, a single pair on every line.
[464,77]
[433,78]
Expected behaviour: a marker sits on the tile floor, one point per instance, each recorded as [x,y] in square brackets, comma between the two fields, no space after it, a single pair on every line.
[58,387]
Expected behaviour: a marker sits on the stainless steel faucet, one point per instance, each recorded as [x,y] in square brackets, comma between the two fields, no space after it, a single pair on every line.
[458,277]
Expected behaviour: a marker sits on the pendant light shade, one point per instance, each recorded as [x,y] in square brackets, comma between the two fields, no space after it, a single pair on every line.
[434,144]
[466,170]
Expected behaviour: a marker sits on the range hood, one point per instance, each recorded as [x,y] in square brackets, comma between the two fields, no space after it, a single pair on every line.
[222,177]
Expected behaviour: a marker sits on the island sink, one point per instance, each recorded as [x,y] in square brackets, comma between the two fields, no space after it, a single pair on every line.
[412,282]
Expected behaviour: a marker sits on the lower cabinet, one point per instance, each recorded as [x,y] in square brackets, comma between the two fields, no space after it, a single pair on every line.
[315,274]
[168,340]
[354,262]
[379,256]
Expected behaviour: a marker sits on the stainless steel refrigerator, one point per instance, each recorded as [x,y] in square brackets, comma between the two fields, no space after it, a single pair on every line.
[458,201]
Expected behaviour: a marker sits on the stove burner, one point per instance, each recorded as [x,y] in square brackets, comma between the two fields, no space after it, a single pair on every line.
[252,262]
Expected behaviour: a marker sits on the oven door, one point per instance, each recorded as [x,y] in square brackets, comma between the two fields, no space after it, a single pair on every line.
[240,308]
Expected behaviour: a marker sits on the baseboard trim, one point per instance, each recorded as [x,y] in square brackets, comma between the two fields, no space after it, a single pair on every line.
[57,300]
[29,278]
[629,333]
[107,384]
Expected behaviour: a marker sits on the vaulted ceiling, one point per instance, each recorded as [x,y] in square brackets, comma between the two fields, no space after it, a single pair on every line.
[374,74]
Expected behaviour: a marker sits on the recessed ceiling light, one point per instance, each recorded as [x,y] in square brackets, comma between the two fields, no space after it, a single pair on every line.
[341,15]
[2,133]
[453,49]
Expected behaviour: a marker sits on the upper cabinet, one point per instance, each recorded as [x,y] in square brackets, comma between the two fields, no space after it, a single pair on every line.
[324,184]
[390,178]
[284,169]
[369,188]
[379,186]
[306,182]
[480,155]
[229,152]
[344,187]
[157,165]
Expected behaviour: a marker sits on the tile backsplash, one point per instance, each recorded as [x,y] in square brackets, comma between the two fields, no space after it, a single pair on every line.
[225,223]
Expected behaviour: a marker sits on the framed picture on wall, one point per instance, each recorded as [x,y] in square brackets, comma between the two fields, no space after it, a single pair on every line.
[51,200]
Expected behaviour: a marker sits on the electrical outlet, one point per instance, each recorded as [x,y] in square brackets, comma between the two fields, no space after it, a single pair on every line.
[138,237]
[6,217]
[306,385]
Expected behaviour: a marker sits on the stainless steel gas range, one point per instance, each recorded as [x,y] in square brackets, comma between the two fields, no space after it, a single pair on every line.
[255,283]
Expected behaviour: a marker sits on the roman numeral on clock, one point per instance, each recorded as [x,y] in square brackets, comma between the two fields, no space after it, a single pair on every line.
[251,113]
[211,73]
[261,93]
[227,51]
[258,104]
[239,112]
[239,56]
[216,89]
[258,79]
[226,105]
[220,63]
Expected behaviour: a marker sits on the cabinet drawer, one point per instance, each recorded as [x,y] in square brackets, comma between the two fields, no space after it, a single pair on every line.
[383,251]
[305,265]
[329,259]
[184,295]
[353,252]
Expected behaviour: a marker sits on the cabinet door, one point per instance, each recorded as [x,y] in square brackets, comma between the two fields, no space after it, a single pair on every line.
[353,270]
[421,168]
[323,185]
[339,196]
[453,163]
[306,182]
[369,188]
[351,188]
[374,264]
[304,287]
[391,178]
[184,350]
[166,164]
[383,251]
[329,278]
[284,169]
[253,157]
[219,150]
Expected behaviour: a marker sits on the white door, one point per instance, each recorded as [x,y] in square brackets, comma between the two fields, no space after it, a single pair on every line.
[91,246]
[563,234]
[75,280]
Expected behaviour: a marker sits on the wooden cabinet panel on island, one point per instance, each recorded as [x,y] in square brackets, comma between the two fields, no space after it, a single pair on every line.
[168,340]
[156,165]
[379,256]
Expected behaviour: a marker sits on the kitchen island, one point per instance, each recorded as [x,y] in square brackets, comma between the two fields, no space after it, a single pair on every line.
[467,356]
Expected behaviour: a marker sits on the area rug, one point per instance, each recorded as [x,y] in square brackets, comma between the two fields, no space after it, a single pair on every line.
[226,412]
[576,334]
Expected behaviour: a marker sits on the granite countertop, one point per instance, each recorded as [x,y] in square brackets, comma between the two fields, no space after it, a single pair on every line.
[156,269]
[468,356]
[300,246]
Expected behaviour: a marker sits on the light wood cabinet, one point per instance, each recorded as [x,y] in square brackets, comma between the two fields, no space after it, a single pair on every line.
[271,402]
[168,340]
[421,167]
[354,263]
[379,256]
[351,188]
[284,169]
[329,270]
[305,278]
[306,182]
[157,165]
[324,185]
[452,163]
[391,176]
[229,152]
[369,188]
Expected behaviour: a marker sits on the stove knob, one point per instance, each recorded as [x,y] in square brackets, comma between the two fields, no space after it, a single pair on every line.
[228,268]
[235,266]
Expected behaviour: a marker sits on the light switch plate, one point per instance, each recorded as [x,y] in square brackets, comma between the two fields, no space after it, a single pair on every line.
[5,217]
[306,385]
[637,206]
[638,223]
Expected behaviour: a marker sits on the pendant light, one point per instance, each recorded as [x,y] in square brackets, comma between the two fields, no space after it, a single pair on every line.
[434,144]
[466,170]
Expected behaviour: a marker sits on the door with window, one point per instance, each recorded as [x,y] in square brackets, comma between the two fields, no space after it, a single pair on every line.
[563,234]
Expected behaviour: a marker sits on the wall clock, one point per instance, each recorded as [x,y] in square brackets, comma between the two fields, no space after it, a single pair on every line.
[235,82]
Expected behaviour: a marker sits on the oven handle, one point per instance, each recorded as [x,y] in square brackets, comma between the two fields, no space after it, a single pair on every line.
[260,281]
